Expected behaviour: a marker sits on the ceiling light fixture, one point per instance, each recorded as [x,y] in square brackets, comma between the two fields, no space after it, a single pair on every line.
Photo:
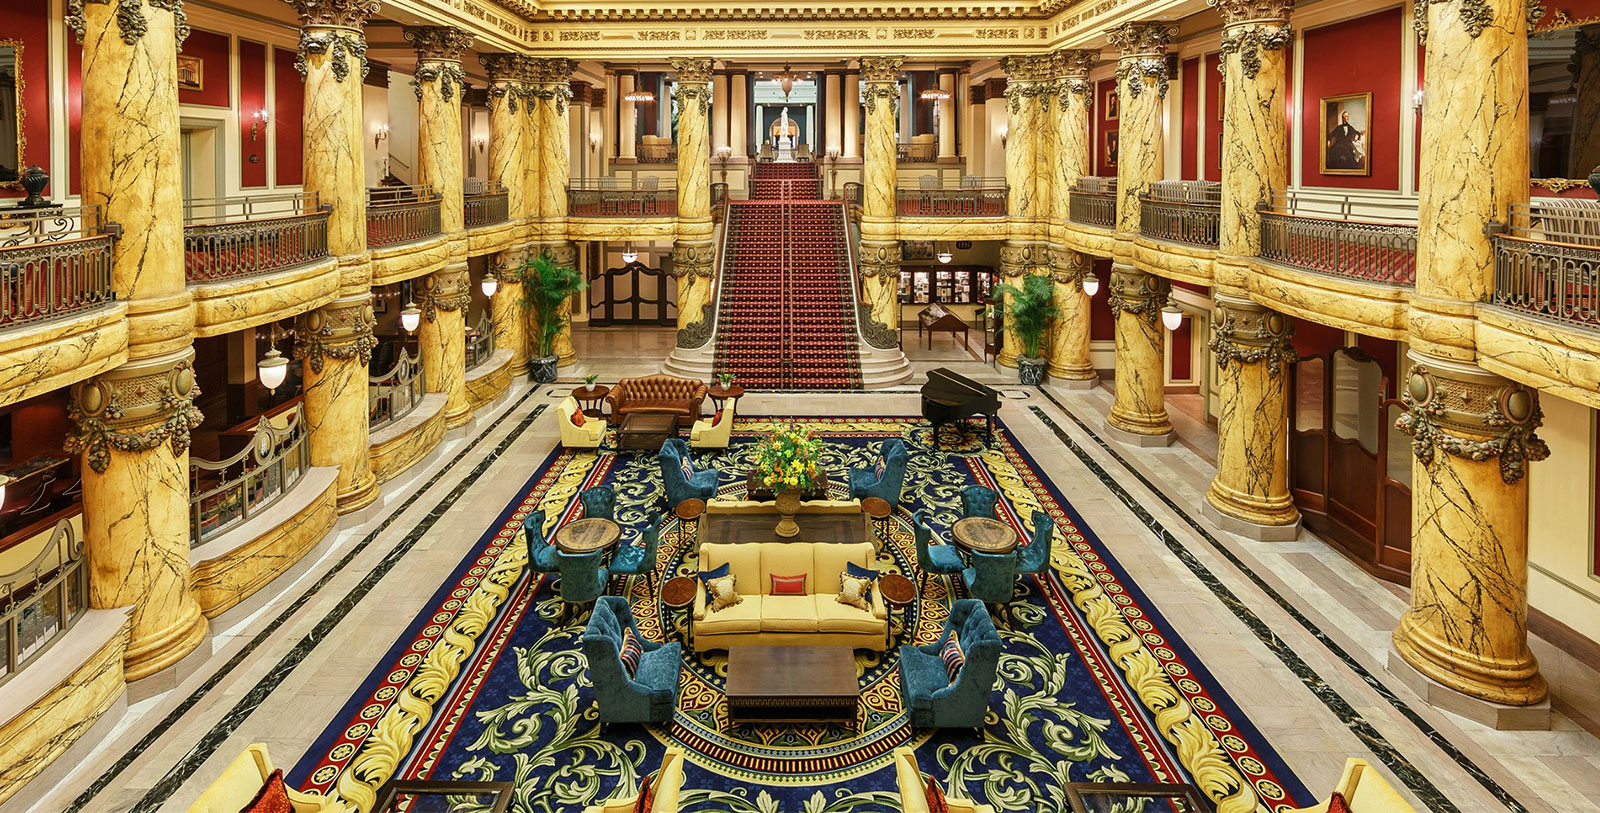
[786,81]
[628,254]
[934,94]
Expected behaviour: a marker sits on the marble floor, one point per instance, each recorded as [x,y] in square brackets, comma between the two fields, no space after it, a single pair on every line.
[1296,634]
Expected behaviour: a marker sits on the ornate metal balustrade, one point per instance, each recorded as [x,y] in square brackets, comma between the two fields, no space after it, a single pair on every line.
[605,197]
[970,197]
[1344,247]
[225,238]
[852,193]
[401,214]
[907,152]
[486,206]
[54,261]
[656,153]
[1547,261]
[394,394]
[224,494]
[40,600]
[1092,201]
[480,341]
[1182,211]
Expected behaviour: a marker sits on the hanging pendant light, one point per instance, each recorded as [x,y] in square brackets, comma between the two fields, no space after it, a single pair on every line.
[410,316]
[490,284]
[628,254]
[638,95]
[272,369]
[786,81]
[944,255]
[934,94]
[1091,285]
[1171,316]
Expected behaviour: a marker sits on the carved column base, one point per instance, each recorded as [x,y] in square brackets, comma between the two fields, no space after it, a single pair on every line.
[1140,405]
[693,262]
[879,263]
[334,344]
[1251,345]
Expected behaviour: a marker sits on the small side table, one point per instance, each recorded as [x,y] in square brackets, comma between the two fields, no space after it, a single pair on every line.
[592,399]
[677,593]
[690,510]
[719,393]
[877,508]
[897,591]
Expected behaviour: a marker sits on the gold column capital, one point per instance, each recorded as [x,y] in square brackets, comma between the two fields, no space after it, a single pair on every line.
[1075,63]
[1245,332]
[692,69]
[881,68]
[551,70]
[134,408]
[131,22]
[438,42]
[447,290]
[1067,267]
[1035,68]
[334,13]
[341,329]
[1241,12]
[1466,412]
[1142,39]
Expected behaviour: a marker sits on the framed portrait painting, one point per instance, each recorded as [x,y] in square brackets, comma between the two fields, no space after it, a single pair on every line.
[1346,135]
[191,73]
[1113,104]
[1111,144]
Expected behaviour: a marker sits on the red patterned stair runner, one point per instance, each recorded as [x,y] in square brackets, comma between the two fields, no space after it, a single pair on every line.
[786,316]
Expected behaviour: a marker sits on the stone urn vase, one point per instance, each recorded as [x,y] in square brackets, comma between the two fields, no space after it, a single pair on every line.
[33,181]
[788,505]
[1030,371]
[543,369]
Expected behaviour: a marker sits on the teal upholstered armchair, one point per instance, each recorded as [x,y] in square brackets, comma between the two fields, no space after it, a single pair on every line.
[1035,558]
[989,578]
[651,694]
[681,479]
[926,688]
[943,560]
[885,478]
[635,560]
[540,551]
[599,502]
[978,501]
[583,578]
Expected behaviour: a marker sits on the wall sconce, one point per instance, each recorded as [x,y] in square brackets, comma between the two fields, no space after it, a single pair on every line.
[1416,100]
[261,118]
[1004,131]
[594,142]
[1171,316]
[481,142]
[380,134]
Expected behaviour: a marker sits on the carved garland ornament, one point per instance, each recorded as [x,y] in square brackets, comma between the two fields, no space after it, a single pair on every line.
[875,92]
[131,22]
[1137,293]
[449,75]
[1476,15]
[1249,41]
[134,414]
[693,94]
[336,332]
[1251,336]
[698,332]
[1508,413]
[339,45]
[445,291]
[877,334]
[1068,267]
[1134,70]
[1081,88]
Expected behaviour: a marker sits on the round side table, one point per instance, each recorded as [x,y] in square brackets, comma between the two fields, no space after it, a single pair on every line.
[690,510]
[719,393]
[897,591]
[677,593]
[591,399]
[588,535]
[984,535]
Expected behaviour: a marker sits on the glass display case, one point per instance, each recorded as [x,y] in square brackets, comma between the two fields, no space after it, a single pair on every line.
[951,285]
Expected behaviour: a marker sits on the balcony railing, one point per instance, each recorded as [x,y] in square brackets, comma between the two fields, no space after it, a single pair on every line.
[224,238]
[1092,201]
[394,394]
[480,342]
[852,193]
[54,261]
[224,494]
[1182,211]
[401,214]
[916,152]
[604,197]
[656,153]
[970,197]
[40,600]
[1343,247]
[486,206]
[1547,261]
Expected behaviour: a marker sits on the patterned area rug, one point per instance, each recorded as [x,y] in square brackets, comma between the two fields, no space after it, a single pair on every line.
[1093,685]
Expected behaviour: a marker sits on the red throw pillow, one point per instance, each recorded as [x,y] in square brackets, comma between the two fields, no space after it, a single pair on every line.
[647,795]
[577,417]
[935,796]
[789,585]
[717,418]
[1337,804]
[273,798]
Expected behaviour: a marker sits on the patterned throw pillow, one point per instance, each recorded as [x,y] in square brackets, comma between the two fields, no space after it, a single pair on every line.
[854,591]
[935,798]
[952,655]
[272,798]
[860,572]
[688,470]
[707,576]
[883,464]
[721,593]
[578,417]
[789,585]
[630,652]
[717,418]
[1337,804]
[647,794]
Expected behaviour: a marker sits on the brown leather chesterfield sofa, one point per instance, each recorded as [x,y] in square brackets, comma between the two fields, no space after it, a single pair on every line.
[663,394]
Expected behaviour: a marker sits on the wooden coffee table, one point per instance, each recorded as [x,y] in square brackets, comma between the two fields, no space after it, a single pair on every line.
[792,684]
[646,430]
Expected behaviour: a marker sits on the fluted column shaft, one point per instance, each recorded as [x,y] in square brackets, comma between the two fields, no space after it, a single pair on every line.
[879,257]
[1074,99]
[132,423]
[693,255]
[553,93]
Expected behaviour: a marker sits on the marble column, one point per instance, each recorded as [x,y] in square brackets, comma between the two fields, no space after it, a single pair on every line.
[1473,435]
[441,338]
[132,424]
[1141,88]
[507,155]
[553,93]
[505,308]
[335,342]
[852,116]
[879,257]
[1029,80]
[627,116]
[1074,96]
[1585,69]
[693,255]
[1251,345]
[1255,150]
[1139,411]
[946,108]
[532,147]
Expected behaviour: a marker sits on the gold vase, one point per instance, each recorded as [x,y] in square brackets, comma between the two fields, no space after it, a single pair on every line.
[788,505]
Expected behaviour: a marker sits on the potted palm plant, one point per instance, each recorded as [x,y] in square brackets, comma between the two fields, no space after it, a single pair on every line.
[546,287]
[1030,308]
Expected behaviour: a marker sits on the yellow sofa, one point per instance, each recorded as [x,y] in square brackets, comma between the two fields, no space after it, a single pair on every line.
[914,793]
[243,779]
[816,619]
[668,783]
[1364,791]
[587,436]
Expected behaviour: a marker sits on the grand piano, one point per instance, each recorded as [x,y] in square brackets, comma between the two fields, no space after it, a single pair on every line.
[950,398]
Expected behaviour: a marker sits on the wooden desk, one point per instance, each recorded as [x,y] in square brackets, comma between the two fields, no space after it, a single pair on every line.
[792,684]
[718,528]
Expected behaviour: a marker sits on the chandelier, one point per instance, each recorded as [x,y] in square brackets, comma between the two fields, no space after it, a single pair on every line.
[638,95]
[785,81]
[934,95]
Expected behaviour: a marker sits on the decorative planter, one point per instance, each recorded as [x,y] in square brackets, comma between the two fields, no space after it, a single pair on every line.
[1030,371]
[543,369]
[788,505]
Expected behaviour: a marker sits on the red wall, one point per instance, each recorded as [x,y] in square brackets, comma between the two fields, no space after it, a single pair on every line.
[252,97]
[290,100]
[1104,126]
[74,114]
[213,52]
[29,22]
[1180,341]
[1100,325]
[1212,126]
[1311,339]
[1190,73]
[1355,56]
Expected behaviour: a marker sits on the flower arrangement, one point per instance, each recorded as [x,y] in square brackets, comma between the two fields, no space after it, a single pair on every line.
[726,379]
[788,459]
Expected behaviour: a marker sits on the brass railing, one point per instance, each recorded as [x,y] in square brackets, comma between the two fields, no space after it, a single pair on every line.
[1547,261]
[1092,201]
[1182,211]
[908,152]
[1343,247]
[401,214]
[394,394]
[480,341]
[972,197]
[225,493]
[54,261]
[603,197]
[486,206]
[225,238]
[40,600]
[656,153]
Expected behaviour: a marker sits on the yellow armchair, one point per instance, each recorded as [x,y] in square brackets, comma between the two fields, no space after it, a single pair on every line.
[914,792]
[1364,791]
[714,432]
[668,783]
[587,436]
[243,779]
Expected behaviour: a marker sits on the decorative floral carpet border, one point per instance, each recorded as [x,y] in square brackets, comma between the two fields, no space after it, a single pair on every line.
[1093,684]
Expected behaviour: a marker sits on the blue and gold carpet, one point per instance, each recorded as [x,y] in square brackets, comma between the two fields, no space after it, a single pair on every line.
[1093,686]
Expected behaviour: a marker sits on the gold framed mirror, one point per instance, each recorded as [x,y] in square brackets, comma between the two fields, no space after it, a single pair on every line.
[13,142]
[1563,100]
